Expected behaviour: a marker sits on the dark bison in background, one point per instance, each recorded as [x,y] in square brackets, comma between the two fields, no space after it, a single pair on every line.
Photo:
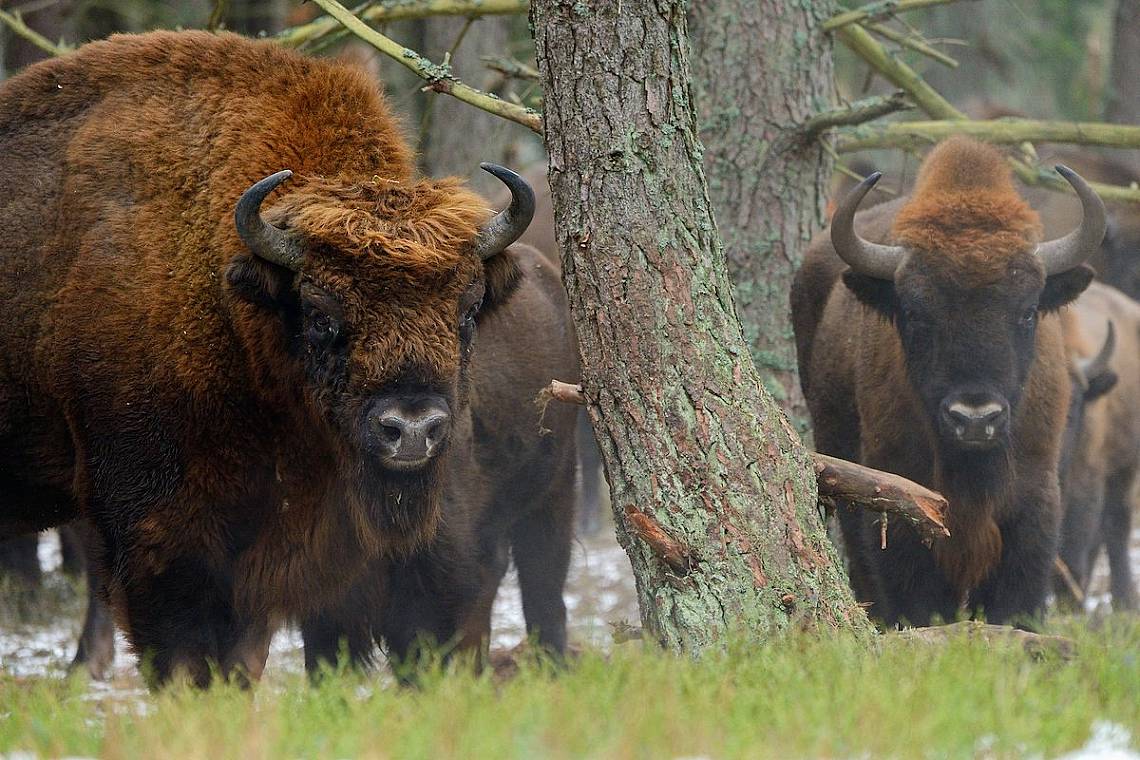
[928,346]
[245,383]
[510,494]
[1102,446]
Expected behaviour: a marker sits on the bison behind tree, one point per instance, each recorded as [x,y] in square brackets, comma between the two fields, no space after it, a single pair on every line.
[248,420]
[937,355]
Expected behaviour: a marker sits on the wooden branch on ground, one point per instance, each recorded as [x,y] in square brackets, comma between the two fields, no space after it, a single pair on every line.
[15,22]
[439,78]
[917,44]
[877,11]
[1069,581]
[401,10]
[859,112]
[937,107]
[1036,645]
[842,482]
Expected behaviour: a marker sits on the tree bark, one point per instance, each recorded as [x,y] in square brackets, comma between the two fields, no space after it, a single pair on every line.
[760,69]
[1123,91]
[698,454]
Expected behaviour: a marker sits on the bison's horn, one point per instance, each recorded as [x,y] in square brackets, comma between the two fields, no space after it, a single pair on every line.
[263,239]
[508,225]
[1098,365]
[865,257]
[1063,254]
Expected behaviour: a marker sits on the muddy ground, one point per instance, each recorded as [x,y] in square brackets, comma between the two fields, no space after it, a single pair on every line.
[40,642]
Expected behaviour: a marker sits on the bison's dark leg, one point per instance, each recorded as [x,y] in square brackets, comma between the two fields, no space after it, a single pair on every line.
[540,543]
[96,650]
[430,595]
[179,621]
[19,560]
[1117,533]
[336,636]
[915,590]
[72,551]
[1015,593]
[1079,539]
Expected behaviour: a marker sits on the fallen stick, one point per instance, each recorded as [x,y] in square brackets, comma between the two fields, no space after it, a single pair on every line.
[840,482]
[1035,644]
[843,482]
[1069,581]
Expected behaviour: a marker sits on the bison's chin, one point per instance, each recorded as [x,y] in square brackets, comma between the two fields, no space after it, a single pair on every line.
[401,507]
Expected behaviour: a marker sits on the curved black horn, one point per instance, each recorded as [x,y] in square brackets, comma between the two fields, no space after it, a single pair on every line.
[1098,365]
[263,239]
[508,225]
[865,257]
[1063,254]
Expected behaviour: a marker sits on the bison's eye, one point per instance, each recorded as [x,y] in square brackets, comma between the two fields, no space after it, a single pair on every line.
[322,330]
[467,322]
[1028,317]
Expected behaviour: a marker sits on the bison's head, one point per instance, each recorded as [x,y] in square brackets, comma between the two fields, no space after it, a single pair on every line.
[373,291]
[965,290]
[1091,378]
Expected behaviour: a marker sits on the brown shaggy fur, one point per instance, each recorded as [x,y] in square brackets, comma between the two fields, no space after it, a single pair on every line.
[965,217]
[150,372]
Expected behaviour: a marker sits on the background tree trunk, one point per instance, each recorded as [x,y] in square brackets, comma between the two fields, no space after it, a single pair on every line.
[702,464]
[454,137]
[761,68]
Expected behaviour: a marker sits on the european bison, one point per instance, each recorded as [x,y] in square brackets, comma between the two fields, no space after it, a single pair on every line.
[245,382]
[936,355]
[510,475]
[1099,479]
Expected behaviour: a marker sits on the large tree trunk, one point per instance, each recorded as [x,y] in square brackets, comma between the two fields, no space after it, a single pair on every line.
[1123,105]
[713,494]
[760,69]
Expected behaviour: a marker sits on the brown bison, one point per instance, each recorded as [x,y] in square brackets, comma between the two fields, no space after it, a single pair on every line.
[1102,447]
[510,494]
[928,347]
[246,383]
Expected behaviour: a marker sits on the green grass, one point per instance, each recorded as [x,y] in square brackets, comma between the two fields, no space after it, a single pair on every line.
[802,697]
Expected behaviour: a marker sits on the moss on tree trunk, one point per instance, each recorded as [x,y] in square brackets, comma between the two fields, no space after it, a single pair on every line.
[699,456]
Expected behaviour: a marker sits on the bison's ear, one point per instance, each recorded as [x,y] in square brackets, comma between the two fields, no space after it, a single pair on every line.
[873,292]
[259,282]
[1063,287]
[502,274]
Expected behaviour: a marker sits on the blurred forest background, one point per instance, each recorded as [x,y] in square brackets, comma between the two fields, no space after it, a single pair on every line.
[1047,59]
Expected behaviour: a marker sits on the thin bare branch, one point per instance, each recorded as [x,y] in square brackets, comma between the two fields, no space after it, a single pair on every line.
[401,10]
[915,43]
[16,23]
[877,11]
[439,78]
[859,112]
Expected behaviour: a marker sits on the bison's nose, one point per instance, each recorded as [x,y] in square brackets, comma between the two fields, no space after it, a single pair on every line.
[976,423]
[409,432]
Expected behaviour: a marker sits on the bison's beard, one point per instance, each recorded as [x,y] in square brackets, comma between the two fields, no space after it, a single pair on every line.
[395,512]
[975,484]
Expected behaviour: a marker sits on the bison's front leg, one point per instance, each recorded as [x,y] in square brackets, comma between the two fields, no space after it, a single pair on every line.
[1015,592]
[181,623]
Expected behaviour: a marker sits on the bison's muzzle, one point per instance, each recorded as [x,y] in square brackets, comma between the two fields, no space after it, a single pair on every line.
[975,420]
[405,432]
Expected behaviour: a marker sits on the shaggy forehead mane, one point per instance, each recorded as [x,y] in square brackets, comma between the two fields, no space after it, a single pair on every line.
[412,232]
[965,218]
